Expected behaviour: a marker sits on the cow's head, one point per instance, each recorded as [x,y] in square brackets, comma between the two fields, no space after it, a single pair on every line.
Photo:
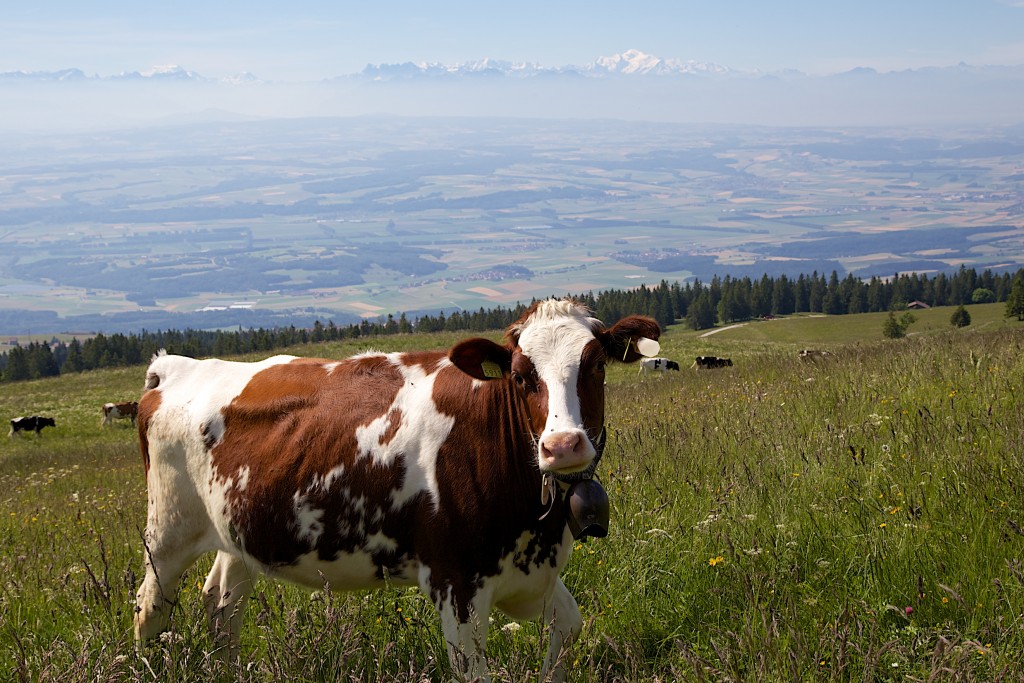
[554,361]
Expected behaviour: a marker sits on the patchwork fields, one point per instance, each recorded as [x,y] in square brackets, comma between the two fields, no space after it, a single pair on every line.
[364,217]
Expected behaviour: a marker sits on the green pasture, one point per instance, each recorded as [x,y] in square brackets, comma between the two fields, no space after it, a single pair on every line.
[855,518]
[822,331]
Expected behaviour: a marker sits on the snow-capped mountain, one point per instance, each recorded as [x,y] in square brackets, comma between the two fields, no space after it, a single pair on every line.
[625,66]
[481,67]
[637,62]
[62,75]
[628,63]
[170,72]
[165,73]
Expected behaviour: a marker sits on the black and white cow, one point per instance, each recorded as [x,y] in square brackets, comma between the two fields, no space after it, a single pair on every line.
[33,423]
[710,362]
[657,365]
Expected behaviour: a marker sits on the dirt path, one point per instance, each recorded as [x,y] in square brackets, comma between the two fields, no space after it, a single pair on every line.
[721,329]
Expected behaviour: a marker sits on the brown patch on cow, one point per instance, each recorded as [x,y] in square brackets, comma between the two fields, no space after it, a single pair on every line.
[533,389]
[294,425]
[148,405]
[590,387]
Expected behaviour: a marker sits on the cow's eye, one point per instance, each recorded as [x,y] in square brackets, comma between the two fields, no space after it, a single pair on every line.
[519,379]
[600,366]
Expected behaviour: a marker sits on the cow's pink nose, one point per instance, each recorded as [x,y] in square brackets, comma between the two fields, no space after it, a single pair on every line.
[564,450]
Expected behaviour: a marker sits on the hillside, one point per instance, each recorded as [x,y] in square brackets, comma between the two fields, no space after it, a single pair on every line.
[854,518]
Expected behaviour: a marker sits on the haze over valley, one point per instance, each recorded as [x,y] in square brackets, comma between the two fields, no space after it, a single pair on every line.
[277,221]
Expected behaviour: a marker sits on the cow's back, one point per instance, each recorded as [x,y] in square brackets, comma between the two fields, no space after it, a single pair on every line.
[182,393]
[299,461]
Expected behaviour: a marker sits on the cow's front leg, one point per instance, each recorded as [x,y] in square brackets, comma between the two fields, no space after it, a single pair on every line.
[562,615]
[464,624]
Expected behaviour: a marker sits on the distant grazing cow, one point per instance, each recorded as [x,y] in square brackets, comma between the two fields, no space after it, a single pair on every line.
[119,411]
[813,354]
[466,473]
[709,362]
[657,364]
[35,423]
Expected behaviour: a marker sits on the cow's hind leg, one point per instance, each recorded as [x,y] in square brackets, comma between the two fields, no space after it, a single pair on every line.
[175,537]
[227,588]
[159,591]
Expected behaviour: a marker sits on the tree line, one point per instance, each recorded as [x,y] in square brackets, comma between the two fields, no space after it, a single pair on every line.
[701,305]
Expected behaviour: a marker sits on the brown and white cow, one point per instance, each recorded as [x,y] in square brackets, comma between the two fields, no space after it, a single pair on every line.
[119,411]
[422,468]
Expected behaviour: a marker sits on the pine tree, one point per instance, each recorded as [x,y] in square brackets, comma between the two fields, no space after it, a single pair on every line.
[891,327]
[897,329]
[17,365]
[1015,302]
[73,362]
[701,315]
[960,317]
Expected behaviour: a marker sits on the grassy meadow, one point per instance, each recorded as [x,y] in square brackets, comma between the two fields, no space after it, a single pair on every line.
[855,518]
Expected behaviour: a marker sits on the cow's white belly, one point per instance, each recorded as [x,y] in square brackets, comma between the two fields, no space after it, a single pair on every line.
[350,571]
[521,593]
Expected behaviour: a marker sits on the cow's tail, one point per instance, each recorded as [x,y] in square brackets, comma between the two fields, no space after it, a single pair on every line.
[153,374]
[149,403]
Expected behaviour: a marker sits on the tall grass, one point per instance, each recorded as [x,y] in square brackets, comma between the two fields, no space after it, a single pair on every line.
[858,518]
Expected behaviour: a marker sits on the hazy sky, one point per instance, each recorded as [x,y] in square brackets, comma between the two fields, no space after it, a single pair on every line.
[303,40]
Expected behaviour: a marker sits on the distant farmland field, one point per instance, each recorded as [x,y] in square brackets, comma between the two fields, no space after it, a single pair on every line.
[352,217]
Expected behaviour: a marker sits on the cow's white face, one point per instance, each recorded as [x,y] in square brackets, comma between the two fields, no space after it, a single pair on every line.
[554,362]
[564,386]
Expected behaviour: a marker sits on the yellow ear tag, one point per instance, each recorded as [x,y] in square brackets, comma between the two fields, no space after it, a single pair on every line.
[491,369]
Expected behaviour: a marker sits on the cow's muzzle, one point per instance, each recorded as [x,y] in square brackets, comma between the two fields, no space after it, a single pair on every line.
[566,451]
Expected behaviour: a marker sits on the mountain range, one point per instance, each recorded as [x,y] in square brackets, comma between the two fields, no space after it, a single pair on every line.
[631,85]
[631,63]
[157,73]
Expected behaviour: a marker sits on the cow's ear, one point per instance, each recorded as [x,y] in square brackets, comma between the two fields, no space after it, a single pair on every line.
[481,358]
[620,341]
